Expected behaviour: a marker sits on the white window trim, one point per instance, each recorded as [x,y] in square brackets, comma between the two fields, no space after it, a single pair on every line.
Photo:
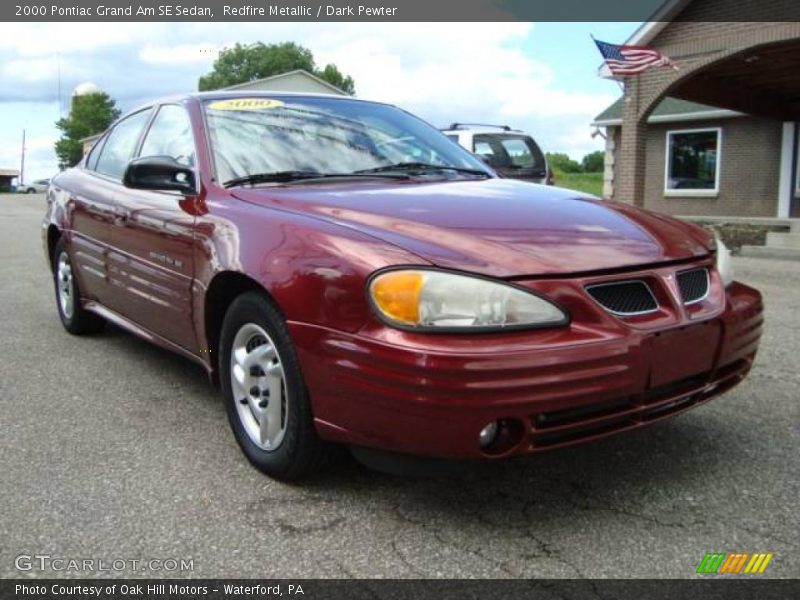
[681,193]
[797,168]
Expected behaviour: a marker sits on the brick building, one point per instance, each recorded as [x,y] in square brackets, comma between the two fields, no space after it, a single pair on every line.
[719,136]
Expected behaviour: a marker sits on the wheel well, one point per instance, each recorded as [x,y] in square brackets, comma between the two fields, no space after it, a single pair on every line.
[223,290]
[53,235]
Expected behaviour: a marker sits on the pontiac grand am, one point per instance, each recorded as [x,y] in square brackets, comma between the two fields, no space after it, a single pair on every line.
[348,275]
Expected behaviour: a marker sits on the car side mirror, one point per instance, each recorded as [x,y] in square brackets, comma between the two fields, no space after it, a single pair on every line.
[160,173]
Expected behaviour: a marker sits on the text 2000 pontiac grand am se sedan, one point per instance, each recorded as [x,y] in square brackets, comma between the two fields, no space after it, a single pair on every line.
[349,275]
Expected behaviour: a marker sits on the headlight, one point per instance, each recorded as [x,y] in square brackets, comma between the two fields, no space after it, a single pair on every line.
[435,300]
[724,264]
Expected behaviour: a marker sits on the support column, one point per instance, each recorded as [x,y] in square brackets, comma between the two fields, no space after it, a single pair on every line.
[786,178]
[609,159]
[631,163]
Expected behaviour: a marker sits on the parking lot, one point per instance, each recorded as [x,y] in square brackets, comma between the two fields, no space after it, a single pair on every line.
[113,449]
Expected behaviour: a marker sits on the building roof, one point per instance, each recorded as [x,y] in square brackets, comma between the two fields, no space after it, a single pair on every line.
[91,138]
[9,173]
[276,78]
[669,110]
[658,21]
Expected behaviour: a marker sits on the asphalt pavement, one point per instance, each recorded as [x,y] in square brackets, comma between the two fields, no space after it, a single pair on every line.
[114,450]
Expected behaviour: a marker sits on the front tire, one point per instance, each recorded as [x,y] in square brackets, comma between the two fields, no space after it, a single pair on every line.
[265,396]
[74,317]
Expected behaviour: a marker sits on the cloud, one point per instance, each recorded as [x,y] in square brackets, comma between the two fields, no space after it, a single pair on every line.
[472,72]
[47,39]
[40,160]
[179,54]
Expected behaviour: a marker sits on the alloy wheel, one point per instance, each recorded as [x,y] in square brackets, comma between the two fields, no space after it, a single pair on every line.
[259,387]
[66,296]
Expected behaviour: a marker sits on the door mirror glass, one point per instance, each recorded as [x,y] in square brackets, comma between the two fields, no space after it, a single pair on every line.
[160,173]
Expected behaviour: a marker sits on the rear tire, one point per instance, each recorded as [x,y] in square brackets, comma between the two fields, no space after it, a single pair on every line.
[74,317]
[265,396]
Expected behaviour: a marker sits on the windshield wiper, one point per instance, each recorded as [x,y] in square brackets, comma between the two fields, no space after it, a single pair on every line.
[421,166]
[290,176]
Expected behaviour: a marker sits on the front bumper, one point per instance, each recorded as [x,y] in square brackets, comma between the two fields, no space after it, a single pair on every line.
[431,394]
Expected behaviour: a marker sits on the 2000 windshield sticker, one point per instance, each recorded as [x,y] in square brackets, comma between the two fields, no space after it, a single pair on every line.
[245,104]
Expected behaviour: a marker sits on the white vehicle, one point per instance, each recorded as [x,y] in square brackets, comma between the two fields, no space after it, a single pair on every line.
[34,187]
[510,152]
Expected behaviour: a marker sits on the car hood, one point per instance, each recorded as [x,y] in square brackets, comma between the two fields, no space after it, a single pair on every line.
[497,227]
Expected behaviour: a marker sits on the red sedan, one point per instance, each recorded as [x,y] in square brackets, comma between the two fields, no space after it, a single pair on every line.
[348,275]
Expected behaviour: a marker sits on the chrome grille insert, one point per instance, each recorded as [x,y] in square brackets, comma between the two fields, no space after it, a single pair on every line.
[624,298]
[694,285]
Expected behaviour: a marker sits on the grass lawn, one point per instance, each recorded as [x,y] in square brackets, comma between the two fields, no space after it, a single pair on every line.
[591,183]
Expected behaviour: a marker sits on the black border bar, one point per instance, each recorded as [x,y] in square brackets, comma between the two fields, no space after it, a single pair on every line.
[733,587]
[396,10]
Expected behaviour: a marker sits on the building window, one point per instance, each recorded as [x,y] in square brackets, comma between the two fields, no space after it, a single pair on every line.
[693,159]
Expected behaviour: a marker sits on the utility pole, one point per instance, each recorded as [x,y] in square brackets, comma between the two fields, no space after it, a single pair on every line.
[22,162]
[58,66]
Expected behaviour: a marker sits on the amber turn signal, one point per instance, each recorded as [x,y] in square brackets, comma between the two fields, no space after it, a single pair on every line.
[397,295]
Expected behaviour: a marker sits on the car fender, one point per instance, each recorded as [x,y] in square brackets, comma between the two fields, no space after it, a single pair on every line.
[313,269]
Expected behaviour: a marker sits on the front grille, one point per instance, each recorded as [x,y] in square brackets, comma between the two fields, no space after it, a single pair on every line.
[624,297]
[693,285]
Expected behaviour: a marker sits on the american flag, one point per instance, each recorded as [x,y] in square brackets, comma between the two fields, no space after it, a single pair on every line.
[630,60]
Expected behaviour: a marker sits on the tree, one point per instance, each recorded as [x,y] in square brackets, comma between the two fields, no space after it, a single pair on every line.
[88,115]
[333,75]
[241,64]
[593,162]
[559,161]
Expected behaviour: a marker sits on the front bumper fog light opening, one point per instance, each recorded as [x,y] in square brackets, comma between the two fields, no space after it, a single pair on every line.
[488,435]
[500,436]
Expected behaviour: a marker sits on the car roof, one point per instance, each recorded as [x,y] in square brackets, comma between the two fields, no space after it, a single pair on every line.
[497,130]
[258,93]
[224,94]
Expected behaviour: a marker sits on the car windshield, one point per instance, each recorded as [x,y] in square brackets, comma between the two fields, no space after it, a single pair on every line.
[257,136]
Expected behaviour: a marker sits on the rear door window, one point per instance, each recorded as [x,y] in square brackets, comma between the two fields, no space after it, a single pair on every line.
[94,154]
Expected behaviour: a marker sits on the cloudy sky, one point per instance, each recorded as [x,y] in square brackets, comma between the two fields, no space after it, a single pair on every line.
[540,77]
